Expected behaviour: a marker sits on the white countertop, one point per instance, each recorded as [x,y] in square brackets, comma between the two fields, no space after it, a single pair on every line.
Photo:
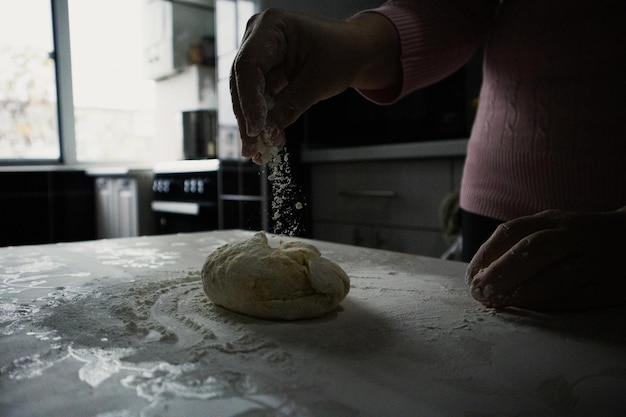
[121,327]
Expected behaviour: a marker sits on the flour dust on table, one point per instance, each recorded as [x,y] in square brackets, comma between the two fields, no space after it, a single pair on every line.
[155,336]
[167,343]
[123,328]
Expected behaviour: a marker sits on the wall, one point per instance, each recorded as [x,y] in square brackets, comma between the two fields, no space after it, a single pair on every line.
[46,207]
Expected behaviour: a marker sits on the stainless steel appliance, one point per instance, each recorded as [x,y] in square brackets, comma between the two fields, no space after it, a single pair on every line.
[185,197]
[200,134]
[209,194]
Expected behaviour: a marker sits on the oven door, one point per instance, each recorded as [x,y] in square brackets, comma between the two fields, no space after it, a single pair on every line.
[184,216]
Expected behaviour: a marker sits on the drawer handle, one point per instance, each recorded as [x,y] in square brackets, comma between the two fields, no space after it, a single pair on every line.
[369,193]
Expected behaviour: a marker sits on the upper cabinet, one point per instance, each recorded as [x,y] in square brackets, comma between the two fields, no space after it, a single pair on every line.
[177,34]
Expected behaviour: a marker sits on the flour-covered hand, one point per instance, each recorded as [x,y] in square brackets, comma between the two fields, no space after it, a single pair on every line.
[553,261]
[289,61]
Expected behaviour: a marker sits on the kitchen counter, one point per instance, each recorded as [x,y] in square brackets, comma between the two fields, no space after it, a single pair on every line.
[122,328]
[450,148]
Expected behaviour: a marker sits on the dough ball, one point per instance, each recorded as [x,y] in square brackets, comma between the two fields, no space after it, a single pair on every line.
[291,281]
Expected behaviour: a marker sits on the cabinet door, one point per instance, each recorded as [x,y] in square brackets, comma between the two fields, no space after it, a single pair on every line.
[105,208]
[392,205]
[126,219]
[399,193]
[423,242]
[117,207]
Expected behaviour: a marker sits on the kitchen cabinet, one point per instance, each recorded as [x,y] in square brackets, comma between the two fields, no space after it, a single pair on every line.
[242,196]
[177,34]
[123,205]
[386,204]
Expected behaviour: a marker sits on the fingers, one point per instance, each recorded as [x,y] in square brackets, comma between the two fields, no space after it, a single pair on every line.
[258,62]
[517,251]
[264,116]
[524,260]
[552,261]
[249,89]
[247,78]
[261,141]
[287,63]
[248,83]
[257,78]
[505,237]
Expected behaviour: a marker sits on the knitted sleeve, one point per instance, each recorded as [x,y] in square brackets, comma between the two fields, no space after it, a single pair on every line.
[437,37]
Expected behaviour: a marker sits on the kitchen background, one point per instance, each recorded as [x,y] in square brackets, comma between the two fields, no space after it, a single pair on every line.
[116,121]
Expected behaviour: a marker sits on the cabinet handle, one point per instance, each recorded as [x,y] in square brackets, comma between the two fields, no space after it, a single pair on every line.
[369,193]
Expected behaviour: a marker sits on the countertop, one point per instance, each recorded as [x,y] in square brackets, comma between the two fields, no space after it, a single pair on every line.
[122,328]
[449,148]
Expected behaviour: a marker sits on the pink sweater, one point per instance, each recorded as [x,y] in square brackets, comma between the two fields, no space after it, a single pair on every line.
[551,125]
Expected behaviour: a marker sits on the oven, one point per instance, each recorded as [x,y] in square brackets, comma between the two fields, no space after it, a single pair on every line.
[185,196]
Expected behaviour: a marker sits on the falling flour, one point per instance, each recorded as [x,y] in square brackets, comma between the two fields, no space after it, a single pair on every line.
[285,204]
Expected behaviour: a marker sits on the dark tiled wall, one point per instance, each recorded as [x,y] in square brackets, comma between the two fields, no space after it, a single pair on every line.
[46,207]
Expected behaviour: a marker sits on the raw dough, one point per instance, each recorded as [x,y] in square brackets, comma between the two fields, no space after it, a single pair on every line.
[291,281]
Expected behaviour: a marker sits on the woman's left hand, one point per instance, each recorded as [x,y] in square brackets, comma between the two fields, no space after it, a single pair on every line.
[553,261]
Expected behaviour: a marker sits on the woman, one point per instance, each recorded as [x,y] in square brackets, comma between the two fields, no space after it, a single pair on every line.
[546,154]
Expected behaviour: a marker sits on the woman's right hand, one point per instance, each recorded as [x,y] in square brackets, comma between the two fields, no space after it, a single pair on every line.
[289,61]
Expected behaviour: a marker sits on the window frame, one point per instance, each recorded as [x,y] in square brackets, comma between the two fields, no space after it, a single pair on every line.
[61,58]
[63,69]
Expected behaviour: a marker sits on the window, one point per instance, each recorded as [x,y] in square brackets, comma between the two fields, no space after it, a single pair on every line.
[111,105]
[114,105]
[28,96]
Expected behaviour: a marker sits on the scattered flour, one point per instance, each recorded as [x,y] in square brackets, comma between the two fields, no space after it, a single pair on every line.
[285,204]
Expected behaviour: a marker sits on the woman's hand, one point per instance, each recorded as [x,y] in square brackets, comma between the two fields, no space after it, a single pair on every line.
[288,62]
[553,261]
